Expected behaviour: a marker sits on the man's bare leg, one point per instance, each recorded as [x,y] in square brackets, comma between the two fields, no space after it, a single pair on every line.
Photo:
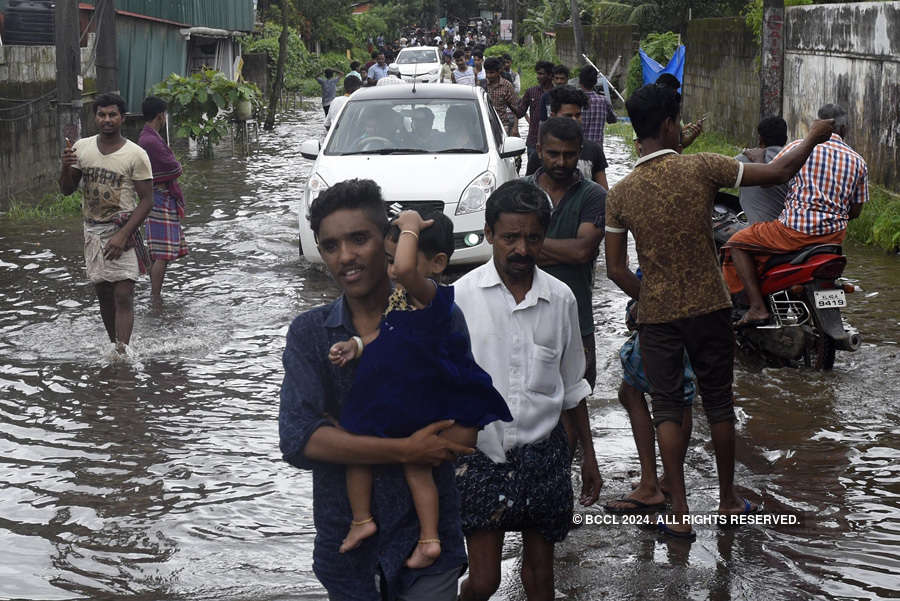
[672,448]
[484,548]
[107,308]
[745,267]
[537,567]
[123,295]
[157,275]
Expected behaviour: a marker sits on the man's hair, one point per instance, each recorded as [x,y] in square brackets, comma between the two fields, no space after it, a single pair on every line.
[478,54]
[151,107]
[328,73]
[561,69]
[506,56]
[354,65]
[649,106]
[545,66]
[458,54]
[438,238]
[772,131]
[588,77]
[493,64]
[562,128]
[667,79]
[351,84]
[362,194]
[517,196]
[375,54]
[109,99]
[567,95]
[836,112]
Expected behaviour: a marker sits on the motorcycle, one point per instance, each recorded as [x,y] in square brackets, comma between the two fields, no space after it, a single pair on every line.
[803,294]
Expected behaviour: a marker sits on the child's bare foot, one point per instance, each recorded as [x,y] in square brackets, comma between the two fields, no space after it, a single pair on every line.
[425,553]
[359,531]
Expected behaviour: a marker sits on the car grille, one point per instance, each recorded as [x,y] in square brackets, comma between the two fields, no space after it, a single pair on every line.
[422,206]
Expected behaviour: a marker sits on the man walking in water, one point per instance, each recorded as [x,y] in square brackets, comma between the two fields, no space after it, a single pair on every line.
[116,178]
[164,236]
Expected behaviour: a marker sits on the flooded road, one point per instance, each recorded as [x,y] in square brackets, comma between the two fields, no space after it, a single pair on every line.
[162,479]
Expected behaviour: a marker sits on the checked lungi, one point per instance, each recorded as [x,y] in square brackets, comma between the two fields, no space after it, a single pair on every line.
[165,238]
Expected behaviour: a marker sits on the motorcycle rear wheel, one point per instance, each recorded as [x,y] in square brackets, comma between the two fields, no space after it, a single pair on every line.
[823,359]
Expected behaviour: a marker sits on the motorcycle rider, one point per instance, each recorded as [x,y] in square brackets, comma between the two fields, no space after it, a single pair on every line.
[666,202]
[757,202]
[828,191]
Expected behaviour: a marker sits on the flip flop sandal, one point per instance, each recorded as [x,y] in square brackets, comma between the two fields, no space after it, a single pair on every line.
[666,531]
[637,506]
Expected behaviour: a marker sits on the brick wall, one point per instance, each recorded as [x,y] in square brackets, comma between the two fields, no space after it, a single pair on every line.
[29,145]
[721,77]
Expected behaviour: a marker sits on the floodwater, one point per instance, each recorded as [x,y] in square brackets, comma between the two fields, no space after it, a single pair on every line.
[161,478]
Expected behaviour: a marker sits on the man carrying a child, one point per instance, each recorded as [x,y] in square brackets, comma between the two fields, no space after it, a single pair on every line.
[350,225]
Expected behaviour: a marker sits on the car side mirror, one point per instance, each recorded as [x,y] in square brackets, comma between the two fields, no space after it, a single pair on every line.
[309,149]
[512,147]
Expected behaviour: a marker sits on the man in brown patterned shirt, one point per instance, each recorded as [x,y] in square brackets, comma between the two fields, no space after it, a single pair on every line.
[503,96]
[666,203]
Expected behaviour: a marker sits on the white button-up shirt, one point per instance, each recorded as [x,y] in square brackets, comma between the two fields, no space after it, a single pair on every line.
[532,351]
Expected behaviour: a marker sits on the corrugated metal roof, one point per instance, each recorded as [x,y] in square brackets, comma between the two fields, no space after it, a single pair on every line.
[236,15]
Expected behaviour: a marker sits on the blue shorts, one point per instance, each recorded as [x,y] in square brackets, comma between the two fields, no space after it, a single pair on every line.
[633,370]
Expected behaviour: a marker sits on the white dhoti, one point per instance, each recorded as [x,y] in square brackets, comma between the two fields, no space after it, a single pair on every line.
[99,268]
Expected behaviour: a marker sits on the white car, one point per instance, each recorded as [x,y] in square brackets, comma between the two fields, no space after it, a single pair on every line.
[429,147]
[421,64]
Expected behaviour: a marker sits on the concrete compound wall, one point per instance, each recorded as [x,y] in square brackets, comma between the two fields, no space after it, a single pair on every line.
[848,54]
[721,77]
[603,45]
[29,145]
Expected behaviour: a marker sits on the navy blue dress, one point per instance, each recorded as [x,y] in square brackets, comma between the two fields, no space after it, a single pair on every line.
[417,372]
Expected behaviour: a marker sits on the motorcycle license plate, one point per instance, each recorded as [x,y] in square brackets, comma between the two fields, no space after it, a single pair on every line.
[830,299]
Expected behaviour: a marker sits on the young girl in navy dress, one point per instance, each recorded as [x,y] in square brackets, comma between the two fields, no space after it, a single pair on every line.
[414,372]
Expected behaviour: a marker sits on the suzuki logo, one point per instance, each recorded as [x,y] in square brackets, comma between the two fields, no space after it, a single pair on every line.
[394,208]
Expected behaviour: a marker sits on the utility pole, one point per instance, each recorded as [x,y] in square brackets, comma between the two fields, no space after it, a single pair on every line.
[68,68]
[279,68]
[771,72]
[107,54]
[577,32]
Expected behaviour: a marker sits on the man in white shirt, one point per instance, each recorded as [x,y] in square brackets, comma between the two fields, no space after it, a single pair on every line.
[351,84]
[524,331]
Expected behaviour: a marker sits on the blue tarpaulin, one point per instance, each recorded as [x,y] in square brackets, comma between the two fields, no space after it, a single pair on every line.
[652,69]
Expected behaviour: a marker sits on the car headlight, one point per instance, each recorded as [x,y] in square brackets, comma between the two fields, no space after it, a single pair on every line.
[315,186]
[475,196]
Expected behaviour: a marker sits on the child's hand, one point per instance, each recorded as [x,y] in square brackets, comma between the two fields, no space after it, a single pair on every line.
[411,220]
[341,353]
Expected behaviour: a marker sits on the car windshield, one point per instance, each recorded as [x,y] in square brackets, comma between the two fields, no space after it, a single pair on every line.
[395,126]
[408,57]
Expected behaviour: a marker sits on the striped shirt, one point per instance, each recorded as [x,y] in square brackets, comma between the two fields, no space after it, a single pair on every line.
[833,178]
[466,77]
[595,117]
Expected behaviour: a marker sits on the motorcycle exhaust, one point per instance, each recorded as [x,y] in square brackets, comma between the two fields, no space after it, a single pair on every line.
[848,342]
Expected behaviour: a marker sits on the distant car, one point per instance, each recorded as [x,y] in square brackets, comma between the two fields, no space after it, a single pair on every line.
[432,147]
[420,63]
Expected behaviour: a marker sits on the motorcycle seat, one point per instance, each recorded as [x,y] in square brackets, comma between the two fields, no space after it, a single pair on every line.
[802,255]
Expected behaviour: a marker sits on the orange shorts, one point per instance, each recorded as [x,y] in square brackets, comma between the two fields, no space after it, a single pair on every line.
[765,239]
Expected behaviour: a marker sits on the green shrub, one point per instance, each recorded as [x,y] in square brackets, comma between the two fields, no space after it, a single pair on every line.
[524,58]
[200,104]
[879,222]
[51,206]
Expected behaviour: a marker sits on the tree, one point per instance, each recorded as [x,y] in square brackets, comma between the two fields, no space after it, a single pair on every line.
[279,69]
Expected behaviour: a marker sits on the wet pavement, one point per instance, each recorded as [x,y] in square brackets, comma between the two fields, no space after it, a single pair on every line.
[161,478]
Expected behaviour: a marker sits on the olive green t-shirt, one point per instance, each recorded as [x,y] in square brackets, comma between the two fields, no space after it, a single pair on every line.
[107,180]
[666,203]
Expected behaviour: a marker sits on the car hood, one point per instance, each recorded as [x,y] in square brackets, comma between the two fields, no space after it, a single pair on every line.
[418,68]
[409,177]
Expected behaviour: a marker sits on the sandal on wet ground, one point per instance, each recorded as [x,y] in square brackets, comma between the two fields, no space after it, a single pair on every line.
[748,509]
[636,506]
[664,529]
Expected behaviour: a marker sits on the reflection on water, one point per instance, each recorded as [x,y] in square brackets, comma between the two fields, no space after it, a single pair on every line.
[161,478]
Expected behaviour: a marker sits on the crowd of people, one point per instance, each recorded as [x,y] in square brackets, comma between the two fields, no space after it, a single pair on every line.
[435,418]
